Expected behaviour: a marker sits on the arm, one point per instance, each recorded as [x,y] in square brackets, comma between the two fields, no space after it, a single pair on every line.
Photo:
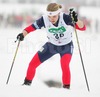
[36,25]
[29,29]
[80,25]
[24,33]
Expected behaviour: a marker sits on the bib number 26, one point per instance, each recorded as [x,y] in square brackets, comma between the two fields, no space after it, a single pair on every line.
[57,36]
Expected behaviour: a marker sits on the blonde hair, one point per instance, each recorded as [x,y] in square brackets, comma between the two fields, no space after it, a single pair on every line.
[53,7]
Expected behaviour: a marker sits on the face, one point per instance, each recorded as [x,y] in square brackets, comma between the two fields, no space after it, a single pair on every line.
[53,19]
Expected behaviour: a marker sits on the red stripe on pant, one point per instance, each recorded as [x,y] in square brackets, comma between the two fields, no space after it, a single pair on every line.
[66,76]
[35,62]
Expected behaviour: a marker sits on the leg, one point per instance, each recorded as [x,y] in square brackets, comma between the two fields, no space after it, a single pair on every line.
[66,54]
[34,63]
[66,76]
[39,58]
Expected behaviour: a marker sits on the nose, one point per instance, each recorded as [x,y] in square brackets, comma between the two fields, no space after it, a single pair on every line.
[52,18]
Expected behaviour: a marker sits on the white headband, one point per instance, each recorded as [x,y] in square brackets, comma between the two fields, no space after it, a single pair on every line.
[50,13]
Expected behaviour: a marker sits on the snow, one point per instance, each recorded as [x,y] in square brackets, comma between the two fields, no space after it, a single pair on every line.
[93,12]
[49,70]
[20,8]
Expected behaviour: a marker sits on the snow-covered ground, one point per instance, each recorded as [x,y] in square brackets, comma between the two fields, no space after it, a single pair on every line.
[49,70]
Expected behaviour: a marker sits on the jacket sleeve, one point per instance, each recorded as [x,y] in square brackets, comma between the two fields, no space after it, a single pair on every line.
[38,24]
[82,29]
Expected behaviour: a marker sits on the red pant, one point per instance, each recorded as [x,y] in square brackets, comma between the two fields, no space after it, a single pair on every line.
[65,60]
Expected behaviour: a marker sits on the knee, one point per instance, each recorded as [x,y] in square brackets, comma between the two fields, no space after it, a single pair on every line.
[65,59]
[35,62]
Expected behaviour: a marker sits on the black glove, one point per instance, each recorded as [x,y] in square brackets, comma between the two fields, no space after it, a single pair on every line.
[74,15]
[20,37]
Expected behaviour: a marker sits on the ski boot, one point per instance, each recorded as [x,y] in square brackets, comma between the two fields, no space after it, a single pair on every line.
[27,82]
[66,86]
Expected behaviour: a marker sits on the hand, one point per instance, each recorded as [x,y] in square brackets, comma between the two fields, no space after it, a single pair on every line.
[74,15]
[20,37]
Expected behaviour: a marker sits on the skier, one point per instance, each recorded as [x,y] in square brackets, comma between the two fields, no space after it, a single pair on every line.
[59,29]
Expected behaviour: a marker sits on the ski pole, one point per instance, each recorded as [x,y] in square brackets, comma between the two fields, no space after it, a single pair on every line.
[13,60]
[79,50]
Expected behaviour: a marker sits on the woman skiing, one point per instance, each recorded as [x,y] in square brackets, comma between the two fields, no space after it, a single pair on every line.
[59,28]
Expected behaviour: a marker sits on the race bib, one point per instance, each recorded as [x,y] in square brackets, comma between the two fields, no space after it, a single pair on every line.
[57,32]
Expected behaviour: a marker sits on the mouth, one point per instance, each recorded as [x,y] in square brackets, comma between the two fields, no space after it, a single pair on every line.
[53,21]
